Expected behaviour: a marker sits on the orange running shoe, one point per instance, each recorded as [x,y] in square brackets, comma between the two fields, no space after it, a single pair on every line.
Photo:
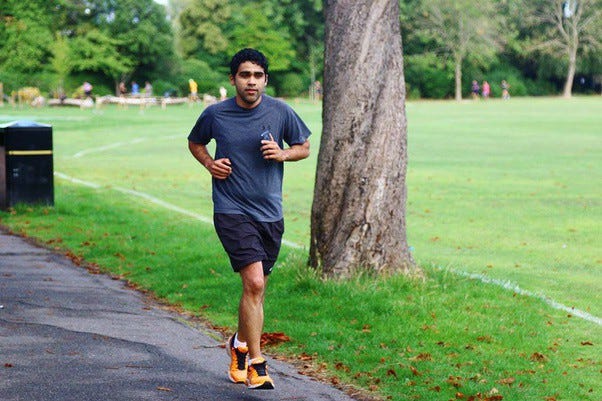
[257,376]
[238,363]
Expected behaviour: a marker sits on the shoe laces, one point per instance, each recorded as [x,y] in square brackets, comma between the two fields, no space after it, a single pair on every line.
[260,368]
[241,358]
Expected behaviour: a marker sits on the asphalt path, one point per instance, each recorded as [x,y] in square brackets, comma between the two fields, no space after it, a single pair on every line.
[69,335]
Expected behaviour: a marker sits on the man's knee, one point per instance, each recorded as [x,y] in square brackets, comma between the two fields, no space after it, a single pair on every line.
[253,279]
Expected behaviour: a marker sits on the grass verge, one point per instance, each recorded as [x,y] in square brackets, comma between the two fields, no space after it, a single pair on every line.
[443,338]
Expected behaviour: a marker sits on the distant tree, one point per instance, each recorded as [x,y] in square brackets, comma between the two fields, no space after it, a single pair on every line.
[25,35]
[97,52]
[358,212]
[143,33]
[201,28]
[175,8]
[253,28]
[60,60]
[464,30]
[566,30]
[303,21]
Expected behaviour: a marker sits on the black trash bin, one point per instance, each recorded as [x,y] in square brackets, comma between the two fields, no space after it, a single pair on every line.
[26,168]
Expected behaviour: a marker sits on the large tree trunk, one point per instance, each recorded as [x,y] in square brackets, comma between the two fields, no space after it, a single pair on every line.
[358,213]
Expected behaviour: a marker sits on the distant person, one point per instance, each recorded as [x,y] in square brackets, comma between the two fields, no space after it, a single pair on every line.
[148,89]
[505,90]
[223,93]
[249,131]
[135,89]
[123,90]
[87,88]
[486,90]
[318,90]
[475,89]
[194,90]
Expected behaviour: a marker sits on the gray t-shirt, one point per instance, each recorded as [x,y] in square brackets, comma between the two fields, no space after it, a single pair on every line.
[255,186]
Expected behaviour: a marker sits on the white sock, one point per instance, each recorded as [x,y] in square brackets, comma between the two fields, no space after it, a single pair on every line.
[238,343]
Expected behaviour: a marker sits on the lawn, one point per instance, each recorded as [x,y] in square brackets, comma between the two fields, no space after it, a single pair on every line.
[506,190]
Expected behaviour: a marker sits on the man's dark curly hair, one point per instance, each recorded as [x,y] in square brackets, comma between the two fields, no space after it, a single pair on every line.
[252,55]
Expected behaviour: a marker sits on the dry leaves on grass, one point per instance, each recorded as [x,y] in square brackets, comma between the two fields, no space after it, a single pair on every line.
[538,357]
[425,356]
[274,338]
[507,381]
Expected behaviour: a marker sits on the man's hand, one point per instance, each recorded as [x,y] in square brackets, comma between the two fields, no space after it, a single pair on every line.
[220,168]
[271,151]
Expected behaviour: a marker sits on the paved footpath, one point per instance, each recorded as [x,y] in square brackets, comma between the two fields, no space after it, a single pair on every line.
[68,335]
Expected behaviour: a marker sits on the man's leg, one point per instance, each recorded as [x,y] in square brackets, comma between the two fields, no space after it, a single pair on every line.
[250,324]
[250,309]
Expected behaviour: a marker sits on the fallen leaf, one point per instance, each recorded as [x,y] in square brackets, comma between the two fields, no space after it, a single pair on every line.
[422,357]
[455,381]
[537,357]
[163,388]
[414,371]
[341,366]
[274,338]
[587,343]
[507,381]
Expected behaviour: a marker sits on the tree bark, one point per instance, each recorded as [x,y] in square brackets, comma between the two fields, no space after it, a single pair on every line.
[458,78]
[358,212]
[570,76]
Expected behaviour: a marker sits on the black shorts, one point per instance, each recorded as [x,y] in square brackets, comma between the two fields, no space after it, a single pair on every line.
[247,241]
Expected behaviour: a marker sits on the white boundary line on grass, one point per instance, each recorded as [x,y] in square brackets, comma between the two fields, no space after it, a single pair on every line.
[515,288]
[117,145]
[484,279]
[157,201]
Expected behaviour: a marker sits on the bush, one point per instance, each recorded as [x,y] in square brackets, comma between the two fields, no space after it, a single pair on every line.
[517,83]
[73,85]
[161,88]
[429,77]
[540,88]
[207,79]
[291,85]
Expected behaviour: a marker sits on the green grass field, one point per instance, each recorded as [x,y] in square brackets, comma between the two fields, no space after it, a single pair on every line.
[507,190]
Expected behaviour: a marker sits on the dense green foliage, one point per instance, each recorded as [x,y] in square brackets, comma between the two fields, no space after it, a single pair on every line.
[58,44]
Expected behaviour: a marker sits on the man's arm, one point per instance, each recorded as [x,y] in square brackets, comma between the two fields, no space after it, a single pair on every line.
[271,151]
[220,168]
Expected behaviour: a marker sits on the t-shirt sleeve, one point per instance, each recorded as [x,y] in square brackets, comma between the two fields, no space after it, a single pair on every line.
[202,132]
[296,132]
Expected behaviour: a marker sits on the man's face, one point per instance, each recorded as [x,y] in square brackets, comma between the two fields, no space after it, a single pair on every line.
[250,81]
